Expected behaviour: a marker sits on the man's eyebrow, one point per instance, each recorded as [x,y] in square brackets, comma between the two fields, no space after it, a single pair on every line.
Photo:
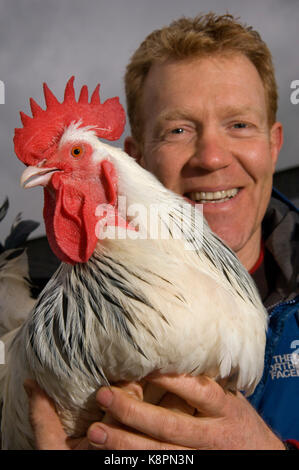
[233,110]
[241,110]
[173,114]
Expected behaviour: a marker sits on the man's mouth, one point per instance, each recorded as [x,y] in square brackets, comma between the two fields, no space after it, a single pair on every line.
[204,197]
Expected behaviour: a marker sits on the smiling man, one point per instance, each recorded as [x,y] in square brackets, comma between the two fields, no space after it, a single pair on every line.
[207,136]
[202,102]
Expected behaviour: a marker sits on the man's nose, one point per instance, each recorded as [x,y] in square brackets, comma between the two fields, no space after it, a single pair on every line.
[212,152]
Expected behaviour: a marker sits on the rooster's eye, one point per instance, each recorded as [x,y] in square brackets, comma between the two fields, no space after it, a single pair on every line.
[77,151]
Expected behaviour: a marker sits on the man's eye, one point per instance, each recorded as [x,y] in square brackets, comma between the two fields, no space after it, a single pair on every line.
[178,130]
[178,134]
[240,125]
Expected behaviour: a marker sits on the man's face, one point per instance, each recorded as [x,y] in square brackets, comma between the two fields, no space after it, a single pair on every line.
[206,136]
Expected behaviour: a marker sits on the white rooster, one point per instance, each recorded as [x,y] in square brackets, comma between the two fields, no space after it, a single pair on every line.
[121,307]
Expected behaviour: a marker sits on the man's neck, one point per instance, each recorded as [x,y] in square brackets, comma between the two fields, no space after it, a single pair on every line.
[249,254]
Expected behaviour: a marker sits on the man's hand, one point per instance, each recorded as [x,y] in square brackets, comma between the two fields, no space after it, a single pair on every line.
[196,414]
[221,420]
[48,431]
[47,428]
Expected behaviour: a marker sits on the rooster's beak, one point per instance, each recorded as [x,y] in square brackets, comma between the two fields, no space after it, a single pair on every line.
[35,176]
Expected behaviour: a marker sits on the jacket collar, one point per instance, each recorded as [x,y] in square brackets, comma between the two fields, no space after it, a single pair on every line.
[281,238]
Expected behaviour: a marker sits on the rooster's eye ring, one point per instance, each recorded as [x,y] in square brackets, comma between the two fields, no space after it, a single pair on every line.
[77,151]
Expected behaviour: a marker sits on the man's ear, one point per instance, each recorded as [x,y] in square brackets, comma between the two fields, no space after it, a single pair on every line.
[276,138]
[132,148]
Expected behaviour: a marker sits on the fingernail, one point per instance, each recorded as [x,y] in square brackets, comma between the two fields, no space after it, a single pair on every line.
[97,435]
[105,397]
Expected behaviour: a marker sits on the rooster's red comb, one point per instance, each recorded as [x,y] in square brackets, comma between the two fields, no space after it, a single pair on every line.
[46,126]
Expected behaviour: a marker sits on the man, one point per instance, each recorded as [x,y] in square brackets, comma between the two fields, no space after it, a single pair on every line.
[202,105]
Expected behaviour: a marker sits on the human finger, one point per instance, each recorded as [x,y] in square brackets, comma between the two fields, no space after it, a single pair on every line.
[152,394]
[175,403]
[46,425]
[200,392]
[47,428]
[111,437]
[134,389]
[155,421]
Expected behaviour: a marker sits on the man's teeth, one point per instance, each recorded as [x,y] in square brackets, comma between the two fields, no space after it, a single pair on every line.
[218,196]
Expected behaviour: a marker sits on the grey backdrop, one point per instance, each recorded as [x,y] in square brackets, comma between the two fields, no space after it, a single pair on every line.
[50,40]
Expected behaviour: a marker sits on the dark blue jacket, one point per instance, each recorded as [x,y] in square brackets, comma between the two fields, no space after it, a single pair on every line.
[276,397]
